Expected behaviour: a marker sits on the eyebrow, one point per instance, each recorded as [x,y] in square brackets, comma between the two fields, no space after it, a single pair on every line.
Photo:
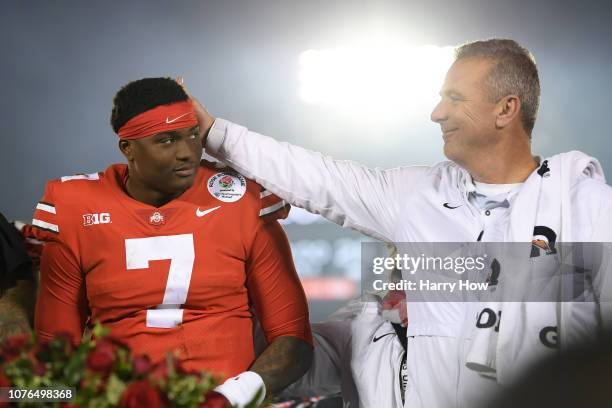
[175,132]
[447,92]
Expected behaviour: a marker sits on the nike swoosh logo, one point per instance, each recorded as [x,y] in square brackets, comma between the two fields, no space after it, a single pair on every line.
[203,213]
[380,337]
[449,207]
[168,120]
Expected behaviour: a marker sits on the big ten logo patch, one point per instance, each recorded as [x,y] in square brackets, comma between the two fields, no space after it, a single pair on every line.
[95,219]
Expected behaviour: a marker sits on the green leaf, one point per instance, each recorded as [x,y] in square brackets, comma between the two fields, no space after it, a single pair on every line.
[114,389]
[123,365]
[100,331]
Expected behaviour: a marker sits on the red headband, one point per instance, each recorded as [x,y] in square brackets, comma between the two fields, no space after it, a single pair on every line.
[160,119]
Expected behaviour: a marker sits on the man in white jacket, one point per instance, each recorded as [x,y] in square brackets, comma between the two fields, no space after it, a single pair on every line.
[487,111]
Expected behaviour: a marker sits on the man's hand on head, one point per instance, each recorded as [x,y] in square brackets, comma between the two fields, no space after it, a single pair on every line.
[204,118]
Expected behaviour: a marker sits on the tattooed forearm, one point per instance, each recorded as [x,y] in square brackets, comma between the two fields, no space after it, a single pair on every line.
[283,362]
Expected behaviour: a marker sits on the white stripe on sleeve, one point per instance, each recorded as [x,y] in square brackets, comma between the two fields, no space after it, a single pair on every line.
[45,225]
[91,176]
[45,207]
[272,208]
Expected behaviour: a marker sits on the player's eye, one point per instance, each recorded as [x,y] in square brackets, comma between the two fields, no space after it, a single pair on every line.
[167,140]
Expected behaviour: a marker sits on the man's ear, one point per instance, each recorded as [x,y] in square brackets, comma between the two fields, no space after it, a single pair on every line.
[126,148]
[507,110]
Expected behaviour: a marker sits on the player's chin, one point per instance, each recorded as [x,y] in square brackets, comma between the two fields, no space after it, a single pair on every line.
[183,182]
[176,183]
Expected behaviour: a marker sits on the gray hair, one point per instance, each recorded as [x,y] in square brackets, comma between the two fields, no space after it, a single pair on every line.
[514,73]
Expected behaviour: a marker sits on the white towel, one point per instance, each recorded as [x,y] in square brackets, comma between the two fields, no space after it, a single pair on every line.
[544,200]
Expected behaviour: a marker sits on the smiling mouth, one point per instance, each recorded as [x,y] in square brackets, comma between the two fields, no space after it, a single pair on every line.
[447,133]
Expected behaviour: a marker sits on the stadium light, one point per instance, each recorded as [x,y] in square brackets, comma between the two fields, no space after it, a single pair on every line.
[374,78]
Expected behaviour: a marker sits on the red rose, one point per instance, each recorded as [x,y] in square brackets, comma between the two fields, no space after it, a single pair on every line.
[14,345]
[141,394]
[102,357]
[141,365]
[16,342]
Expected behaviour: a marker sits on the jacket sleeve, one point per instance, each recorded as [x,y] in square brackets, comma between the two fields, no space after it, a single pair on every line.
[347,193]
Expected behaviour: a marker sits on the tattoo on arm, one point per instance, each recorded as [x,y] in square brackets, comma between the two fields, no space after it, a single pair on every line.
[283,362]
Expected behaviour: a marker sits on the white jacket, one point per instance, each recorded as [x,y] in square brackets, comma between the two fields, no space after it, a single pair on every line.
[372,379]
[404,204]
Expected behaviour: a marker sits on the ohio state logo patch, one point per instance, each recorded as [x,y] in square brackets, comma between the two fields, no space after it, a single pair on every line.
[227,186]
[157,219]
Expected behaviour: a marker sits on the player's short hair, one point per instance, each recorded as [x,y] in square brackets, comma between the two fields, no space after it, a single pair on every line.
[514,72]
[142,95]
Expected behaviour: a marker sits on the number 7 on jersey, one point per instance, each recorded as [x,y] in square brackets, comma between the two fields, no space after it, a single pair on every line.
[180,250]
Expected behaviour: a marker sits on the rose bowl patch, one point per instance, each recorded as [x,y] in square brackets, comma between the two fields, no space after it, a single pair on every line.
[227,186]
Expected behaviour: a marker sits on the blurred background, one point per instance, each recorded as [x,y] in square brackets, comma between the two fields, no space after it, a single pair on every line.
[354,79]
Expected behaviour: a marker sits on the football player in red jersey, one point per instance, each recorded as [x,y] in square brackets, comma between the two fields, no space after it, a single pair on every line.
[173,254]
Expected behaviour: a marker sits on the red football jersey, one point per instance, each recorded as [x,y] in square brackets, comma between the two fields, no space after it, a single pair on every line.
[179,277]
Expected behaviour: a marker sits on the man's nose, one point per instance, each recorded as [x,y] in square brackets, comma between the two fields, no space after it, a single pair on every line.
[438,114]
[183,150]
